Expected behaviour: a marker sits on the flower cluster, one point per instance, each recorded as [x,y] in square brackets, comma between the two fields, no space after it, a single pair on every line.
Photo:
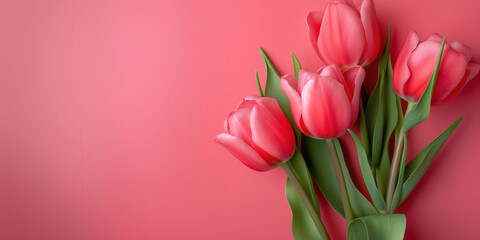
[324,104]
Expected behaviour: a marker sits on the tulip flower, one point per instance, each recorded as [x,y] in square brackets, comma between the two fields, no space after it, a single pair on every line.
[344,34]
[258,134]
[324,105]
[416,63]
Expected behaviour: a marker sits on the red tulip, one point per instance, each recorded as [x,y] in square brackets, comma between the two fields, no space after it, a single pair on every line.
[416,63]
[258,134]
[344,34]
[324,105]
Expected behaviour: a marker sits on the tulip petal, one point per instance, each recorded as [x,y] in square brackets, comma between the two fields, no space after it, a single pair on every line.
[341,39]
[225,125]
[303,78]
[435,37]
[471,71]
[326,110]
[289,87]
[372,31]
[271,130]
[450,75]
[461,48]
[350,3]
[248,102]
[239,124]
[421,63]
[401,72]
[241,150]
[314,21]
[334,72]
[354,77]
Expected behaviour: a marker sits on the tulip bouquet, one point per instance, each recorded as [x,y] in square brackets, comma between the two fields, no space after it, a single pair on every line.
[296,121]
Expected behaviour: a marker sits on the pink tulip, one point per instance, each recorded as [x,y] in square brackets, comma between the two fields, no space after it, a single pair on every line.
[345,34]
[258,134]
[416,63]
[324,105]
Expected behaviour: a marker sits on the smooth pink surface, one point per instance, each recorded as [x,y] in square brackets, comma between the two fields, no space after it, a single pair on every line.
[108,110]
[417,60]
[345,34]
[316,99]
[258,133]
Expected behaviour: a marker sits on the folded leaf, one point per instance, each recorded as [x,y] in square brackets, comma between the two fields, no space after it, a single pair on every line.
[296,65]
[382,116]
[421,110]
[273,89]
[320,164]
[382,172]
[259,86]
[303,226]
[377,227]
[416,168]
[381,106]
[272,86]
[376,196]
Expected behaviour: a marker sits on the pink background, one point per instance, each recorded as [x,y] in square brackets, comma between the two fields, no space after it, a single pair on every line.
[108,111]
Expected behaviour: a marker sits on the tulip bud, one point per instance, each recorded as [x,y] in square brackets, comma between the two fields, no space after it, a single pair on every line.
[416,63]
[324,105]
[344,34]
[258,134]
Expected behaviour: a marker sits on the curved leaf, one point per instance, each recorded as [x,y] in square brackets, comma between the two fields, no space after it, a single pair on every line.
[422,109]
[296,65]
[303,226]
[381,107]
[376,196]
[382,117]
[272,86]
[378,227]
[417,167]
[273,90]
[259,86]
[320,165]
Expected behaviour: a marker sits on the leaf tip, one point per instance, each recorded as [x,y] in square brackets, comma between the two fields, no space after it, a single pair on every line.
[261,51]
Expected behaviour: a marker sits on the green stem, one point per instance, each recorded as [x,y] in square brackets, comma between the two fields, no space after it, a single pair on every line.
[392,177]
[340,180]
[306,201]
[395,166]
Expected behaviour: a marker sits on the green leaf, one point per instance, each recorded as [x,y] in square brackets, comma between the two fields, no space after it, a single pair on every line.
[422,109]
[296,65]
[259,86]
[382,118]
[303,226]
[401,172]
[376,196]
[382,171]
[417,167]
[273,90]
[363,124]
[320,165]
[378,227]
[381,112]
